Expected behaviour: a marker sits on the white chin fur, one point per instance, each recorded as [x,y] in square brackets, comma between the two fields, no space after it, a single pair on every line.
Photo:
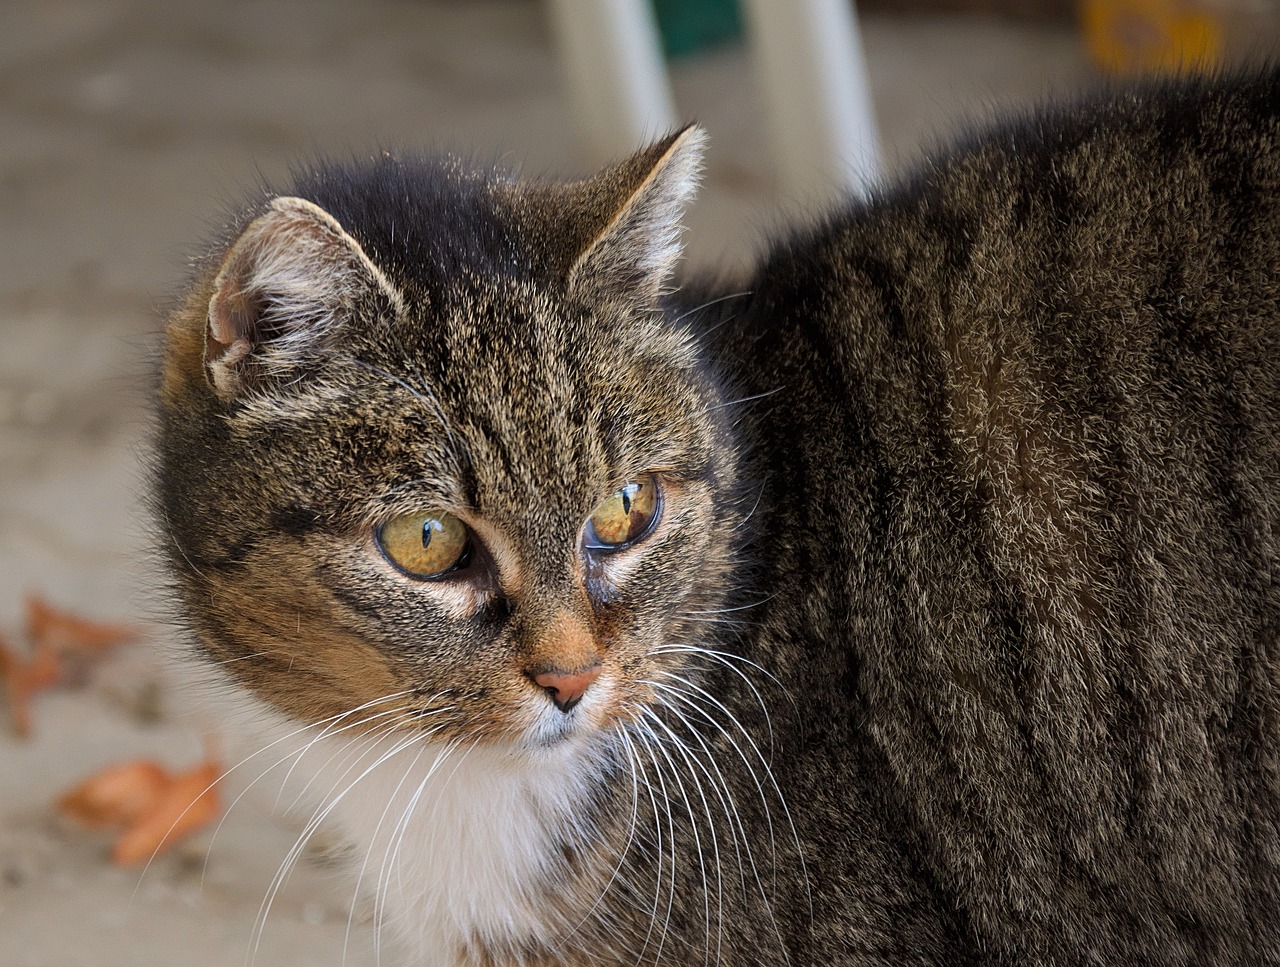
[454,845]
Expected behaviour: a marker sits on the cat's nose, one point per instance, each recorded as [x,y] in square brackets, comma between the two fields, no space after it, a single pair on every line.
[567,688]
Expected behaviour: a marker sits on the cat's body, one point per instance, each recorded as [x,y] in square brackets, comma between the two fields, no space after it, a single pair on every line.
[953,639]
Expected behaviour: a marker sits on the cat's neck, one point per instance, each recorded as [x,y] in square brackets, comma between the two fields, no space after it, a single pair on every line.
[466,850]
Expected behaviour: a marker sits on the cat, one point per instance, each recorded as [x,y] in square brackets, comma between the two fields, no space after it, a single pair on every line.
[917,604]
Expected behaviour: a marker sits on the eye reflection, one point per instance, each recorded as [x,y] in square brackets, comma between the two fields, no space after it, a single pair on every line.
[425,545]
[626,516]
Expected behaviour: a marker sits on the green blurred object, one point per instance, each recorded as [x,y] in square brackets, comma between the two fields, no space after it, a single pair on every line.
[688,26]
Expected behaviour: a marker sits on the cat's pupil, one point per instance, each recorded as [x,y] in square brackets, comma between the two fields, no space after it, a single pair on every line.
[426,533]
[626,497]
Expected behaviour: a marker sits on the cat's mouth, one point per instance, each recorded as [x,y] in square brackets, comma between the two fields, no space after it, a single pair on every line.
[553,725]
[557,731]
[523,717]
[605,708]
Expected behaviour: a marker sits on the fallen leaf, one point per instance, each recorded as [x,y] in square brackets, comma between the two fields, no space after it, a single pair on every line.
[155,808]
[116,795]
[24,677]
[56,636]
[188,804]
[51,627]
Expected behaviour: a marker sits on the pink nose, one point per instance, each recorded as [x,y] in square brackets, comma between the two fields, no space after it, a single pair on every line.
[567,688]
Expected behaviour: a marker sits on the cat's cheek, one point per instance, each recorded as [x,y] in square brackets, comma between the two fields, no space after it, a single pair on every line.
[457,601]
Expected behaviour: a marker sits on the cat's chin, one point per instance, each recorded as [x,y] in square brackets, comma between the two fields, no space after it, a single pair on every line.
[582,725]
[562,734]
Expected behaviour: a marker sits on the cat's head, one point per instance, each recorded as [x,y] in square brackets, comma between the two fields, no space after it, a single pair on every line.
[431,451]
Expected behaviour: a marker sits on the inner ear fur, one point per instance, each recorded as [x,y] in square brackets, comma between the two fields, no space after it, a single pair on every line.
[633,209]
[287,285]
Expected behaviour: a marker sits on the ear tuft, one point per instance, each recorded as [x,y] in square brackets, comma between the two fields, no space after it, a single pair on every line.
[286,287]
[639,204]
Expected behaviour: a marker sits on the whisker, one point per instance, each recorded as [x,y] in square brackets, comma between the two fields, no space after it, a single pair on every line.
[715,847]
[726,659]
[328,733]
[741,607]
[747,399]
[232,661]
[631,833]
[424,396]
[225,773]
[646,738]
[708,304]
[752,512]
[768,772]
[728,804]
[312,825]
[364,865]
[391,856]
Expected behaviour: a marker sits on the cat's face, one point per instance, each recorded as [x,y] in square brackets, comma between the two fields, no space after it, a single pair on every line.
[488,504]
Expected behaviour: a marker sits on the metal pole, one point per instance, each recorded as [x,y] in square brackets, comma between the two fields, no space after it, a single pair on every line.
[814,81]
[617,78]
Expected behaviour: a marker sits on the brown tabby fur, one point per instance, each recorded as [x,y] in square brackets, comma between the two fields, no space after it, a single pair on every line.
[975,495]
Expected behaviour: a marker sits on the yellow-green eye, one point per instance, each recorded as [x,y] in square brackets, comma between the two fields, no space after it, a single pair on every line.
[627,516]
[425,545]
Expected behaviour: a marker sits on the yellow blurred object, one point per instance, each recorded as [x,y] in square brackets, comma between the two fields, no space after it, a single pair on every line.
[1134,36]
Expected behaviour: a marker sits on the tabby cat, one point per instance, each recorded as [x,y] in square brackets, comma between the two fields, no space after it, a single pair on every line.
[917,605]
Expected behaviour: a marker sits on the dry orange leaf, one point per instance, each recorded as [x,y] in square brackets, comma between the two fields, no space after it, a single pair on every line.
[117,795]
[155,808]
[54,634]
[54,628]
[24,677]
[187,805]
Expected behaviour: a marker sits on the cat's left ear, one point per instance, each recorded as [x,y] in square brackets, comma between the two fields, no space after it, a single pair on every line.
[288,286]
[634,242]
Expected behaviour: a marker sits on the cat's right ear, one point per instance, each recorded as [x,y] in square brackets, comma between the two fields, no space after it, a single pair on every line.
[628,218]
[285,289]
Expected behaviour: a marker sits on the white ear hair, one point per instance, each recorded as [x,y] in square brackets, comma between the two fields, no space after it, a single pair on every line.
[286,286]
[640,244]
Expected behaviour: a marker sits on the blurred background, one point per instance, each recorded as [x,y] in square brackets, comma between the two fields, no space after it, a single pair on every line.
[128,128]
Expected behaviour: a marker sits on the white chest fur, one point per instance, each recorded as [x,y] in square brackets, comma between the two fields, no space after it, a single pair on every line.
[456,845]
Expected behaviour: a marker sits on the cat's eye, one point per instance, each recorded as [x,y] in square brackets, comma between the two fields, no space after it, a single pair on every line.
[628,515]
[425,545]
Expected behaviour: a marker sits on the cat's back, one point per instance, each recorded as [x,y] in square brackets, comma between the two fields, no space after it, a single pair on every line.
[1024,429]
[1095,217]
[1091,290]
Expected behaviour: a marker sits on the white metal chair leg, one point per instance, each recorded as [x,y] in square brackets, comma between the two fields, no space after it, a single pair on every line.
[814,81]
[617,79]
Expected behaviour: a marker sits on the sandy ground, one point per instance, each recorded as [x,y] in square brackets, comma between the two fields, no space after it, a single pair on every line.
[124,129]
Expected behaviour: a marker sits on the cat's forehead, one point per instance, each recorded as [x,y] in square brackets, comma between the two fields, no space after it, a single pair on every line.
[538,390]
[439,227]
[445,325]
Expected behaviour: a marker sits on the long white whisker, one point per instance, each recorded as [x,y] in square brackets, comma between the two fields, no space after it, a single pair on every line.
[225,773]
[752,512]
[715,846]
[653,744]
[727,802]
[312,825]
[742,607]
[642,735]
[748,399]
[364,865]
[723,658]
[709,303]
[295,754]
[424,396]
[768,772]
[391,722]
[391,859]
[626,847]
